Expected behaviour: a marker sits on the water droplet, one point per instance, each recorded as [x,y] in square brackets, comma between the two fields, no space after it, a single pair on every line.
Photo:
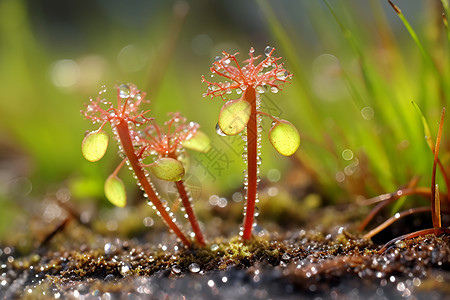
[268,50]
[260,89]
[148,222]
[258,161]
[367,113]
[347,154]
[217,58]
[219,131]
[124,91]
[238,91]
[252,50]
[194,268]
[214,247]
[256,211]
[176,269]
[274,89]
[244,155]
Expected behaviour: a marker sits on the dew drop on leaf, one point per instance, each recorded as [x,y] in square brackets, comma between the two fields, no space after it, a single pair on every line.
[284,137]
[115,191]
[94,145]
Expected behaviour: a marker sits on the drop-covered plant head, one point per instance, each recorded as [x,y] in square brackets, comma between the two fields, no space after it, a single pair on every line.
[242,116]
[134,132]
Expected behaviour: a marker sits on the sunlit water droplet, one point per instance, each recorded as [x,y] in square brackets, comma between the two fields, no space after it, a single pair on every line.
[260,90]
[268,50]
[256,211]
[194,268]
[219,131]
[124,91]
[176,269]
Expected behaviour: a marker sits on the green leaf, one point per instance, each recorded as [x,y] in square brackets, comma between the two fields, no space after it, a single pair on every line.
[199,142]
[284,137]
[234,116]
[426,128]
[115,191]
[94,145]
[168,169]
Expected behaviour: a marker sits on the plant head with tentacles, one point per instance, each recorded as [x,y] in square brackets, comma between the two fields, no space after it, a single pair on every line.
[242,116]
[178,134]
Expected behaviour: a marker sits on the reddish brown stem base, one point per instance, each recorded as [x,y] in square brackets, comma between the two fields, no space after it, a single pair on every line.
[190,213]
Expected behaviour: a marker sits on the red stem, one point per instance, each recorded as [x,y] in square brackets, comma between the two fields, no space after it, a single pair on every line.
[252,156]
[190,212]
[435,204]
[125,139]
[436,231]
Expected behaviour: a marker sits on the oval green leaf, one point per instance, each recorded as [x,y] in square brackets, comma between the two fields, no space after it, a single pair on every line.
[94,145]
[115,191]
[168,169]
[284,137]
[234,116]
[199,142]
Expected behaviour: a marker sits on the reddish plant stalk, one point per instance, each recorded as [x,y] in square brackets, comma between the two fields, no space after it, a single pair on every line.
[190,212]
[252,168]
[394,219]
[127,145]
[435,203]
[436,231]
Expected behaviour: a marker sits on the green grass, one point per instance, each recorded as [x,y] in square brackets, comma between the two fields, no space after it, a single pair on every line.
[382,71]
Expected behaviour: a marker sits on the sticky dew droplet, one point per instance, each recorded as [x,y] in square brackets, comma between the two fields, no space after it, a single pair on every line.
[219,131]
[124,91]
[268,50]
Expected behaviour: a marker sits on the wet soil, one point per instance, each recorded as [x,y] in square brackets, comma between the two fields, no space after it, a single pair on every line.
[316,263]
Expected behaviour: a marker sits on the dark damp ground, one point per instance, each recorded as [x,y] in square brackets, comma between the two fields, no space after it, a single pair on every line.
[315,263]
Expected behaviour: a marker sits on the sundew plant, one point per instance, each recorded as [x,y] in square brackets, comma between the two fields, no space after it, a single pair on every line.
[140,138]
[242,116]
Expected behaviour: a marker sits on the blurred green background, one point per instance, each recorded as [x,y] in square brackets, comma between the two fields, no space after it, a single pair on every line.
[356,70]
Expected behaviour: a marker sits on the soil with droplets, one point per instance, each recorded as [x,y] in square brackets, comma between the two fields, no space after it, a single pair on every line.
[301,264]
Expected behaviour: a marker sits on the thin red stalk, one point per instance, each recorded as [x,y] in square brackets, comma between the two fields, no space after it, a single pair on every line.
[116,171]
[190,212]
[252,168]
[434,209]
[435,231]
[388,200]
[394,219]
[125,139]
